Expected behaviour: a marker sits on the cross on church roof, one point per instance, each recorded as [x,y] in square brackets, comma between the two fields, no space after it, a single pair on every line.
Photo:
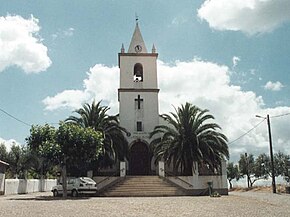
[139,100]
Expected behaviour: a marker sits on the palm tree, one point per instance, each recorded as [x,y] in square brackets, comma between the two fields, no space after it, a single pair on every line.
[189,137]
[115,145]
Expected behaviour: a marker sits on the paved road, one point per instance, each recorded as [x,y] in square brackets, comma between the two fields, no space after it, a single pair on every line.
[236,204]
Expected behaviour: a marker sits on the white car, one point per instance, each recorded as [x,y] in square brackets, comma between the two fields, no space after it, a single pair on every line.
[76,186]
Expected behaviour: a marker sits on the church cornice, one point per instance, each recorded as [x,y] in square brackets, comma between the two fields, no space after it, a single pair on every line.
[134,90]
[136,55]
[139,54]
[154,90]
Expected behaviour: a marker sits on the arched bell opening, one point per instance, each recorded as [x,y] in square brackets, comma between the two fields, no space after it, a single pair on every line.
[138,72]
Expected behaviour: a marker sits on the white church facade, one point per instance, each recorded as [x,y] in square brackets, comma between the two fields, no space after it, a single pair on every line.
[138,101]
[139,114]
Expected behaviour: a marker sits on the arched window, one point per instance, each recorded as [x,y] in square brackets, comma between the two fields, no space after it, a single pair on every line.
[138,72]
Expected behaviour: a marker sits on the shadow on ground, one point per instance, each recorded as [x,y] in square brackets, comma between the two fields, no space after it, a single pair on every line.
[48,198]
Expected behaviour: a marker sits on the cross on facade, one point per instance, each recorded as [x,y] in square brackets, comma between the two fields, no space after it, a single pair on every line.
[139,100]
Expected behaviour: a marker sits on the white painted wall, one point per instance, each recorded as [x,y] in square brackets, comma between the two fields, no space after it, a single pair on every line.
[148,115]
[24,186]
[201,182]
[149,64]
[149,112]
[2,182]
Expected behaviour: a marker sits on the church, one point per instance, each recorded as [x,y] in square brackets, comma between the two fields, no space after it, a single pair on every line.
[139,114]
[138,101]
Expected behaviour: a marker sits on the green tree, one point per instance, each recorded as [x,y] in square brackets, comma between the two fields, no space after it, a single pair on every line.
[280,164]
[232,173]
[115,145]
[77,145]
[68,145]
[16,160]
[190,136]
[44,149]
[254,169]
[246,165]
[3,152]
[262,167]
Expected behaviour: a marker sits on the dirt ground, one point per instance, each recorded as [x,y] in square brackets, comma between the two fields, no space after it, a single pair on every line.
[236,204]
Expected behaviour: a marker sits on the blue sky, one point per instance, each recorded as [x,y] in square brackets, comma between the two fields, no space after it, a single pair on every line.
[231,57]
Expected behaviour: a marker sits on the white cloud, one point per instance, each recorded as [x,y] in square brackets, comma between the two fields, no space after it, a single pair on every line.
[66,99]
[21,46]
[9,143]
[202,83]
[178,20]
[274,86]
[100,85]
[63,33]
[249,16]
[235,61]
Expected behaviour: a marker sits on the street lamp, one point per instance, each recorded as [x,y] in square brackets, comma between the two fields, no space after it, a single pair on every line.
[271,152]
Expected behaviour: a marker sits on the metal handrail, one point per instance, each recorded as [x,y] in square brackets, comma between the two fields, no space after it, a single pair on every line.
[171,174]
[108,177]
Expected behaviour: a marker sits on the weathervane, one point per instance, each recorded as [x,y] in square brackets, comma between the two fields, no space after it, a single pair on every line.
[136,18]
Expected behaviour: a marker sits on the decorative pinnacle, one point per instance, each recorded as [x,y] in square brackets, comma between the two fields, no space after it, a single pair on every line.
[153,49]
[122,48]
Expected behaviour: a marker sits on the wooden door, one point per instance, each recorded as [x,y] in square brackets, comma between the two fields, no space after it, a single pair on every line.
[139,159]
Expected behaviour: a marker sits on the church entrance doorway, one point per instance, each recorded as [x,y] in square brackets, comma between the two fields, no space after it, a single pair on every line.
[139,163]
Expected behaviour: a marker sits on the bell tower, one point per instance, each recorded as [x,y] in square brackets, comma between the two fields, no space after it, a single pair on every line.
[138,100]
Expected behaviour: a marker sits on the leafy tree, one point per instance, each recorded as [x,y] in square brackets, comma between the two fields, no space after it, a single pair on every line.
[254,169]
[115,145]
[68,145]
[280,164]
[16,160]
[261,167]
[232,173]
[246,165]
[44,148]
[77,145]
[189,137]
[3,152]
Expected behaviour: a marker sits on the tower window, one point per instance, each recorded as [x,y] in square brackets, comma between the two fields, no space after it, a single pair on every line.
[139,126]
[138,72]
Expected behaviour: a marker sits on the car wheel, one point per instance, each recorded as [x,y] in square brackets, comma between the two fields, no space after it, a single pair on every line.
[55,193]
[74,193]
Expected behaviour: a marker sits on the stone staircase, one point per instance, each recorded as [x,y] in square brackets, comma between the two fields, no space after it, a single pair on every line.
[142,186]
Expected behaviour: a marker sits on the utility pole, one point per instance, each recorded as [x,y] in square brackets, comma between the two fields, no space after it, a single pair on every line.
[271,152]
[271,155]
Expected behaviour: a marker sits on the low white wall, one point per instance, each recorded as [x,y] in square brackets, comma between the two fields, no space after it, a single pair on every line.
[201,182]
[217,181]
[23,186]
[187,181]
[2,180]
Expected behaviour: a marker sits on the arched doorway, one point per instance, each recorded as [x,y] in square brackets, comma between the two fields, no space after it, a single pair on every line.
[139,163]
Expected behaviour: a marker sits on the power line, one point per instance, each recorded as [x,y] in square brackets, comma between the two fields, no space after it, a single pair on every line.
[277,116]
[23,122]
[15,118]
[247,132]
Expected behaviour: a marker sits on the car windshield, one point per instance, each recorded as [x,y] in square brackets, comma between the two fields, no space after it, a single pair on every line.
[86,179]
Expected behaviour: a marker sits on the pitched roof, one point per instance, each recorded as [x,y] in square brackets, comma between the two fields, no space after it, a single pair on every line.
[137,39]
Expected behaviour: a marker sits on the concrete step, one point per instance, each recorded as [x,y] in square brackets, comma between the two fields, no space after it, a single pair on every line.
[142,186]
